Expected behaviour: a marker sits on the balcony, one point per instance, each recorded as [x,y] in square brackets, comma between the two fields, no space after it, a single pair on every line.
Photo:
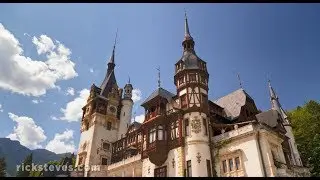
[157,152]
[233,133]
[127,161]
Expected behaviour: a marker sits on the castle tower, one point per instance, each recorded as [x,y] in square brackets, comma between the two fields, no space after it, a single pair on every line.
[191,80]
[275,105]
[100,124]
[126,110]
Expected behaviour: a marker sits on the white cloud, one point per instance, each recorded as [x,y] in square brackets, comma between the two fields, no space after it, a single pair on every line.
[70,91]
[23,75]
[62,143]
[73,110]
[136,95]
[54,118]
[91,70]
[27,132]
[35,101]
[139,118]
[1,110]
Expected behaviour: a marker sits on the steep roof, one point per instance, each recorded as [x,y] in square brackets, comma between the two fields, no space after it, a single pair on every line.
[233,102]
[107,83]
[269,117]
[159,92]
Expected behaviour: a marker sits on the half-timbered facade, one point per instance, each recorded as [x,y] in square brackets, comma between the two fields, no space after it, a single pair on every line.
[184,134]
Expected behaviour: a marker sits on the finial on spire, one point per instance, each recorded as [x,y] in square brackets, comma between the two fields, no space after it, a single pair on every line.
[114,47]
[186,26]
[115,40]
[159,82]
[240,81]
[269,82]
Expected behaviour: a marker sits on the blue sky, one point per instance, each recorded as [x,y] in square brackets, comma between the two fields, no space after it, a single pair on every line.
[279,41]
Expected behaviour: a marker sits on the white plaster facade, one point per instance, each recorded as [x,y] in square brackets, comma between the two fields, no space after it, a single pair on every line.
[180,134]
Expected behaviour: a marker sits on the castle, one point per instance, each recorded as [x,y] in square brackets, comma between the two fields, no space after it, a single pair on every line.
[185,134]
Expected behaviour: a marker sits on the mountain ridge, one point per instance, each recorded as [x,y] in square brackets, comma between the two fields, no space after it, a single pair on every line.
[14,154]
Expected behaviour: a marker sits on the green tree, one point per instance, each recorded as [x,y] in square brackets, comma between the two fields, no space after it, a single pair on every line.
[2,167]
[305,122]
[23,172]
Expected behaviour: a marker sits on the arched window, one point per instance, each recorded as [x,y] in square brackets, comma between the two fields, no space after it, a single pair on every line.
[160,133]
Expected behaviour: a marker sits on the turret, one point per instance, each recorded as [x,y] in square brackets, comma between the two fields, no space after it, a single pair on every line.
[126,110]
[275,105]
[191,80]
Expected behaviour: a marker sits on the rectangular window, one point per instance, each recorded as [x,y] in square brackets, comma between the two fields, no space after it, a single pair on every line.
[109,124]
[181,80]
[192,77]
[237,161]
[205,127]
[174,130]
[230,164]
[177,129]
[224,166]
[208,168]
[189,170]
[186,127]
[104,161]
[152,135]
[160,172]
[184,101]
[106,146]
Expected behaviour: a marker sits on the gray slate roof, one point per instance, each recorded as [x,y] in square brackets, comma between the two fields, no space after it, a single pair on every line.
[108,82]
[269,117]
[233,102]
[159,92]
[190,60]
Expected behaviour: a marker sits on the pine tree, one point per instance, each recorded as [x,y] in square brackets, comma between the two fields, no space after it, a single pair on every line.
[22,172]
[2,167]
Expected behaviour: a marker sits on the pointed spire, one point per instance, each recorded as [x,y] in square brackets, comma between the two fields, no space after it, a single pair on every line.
[275,104]
[159,82]
[114,48]
[187,34]
[272,93]
[129,80]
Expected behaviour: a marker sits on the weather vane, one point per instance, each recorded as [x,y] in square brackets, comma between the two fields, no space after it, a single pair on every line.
[239,81]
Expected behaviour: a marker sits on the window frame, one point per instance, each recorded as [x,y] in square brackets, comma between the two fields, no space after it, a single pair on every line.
[102,161]
[209,173]
[108,145]
[160,171]
[109,125]
[189,169]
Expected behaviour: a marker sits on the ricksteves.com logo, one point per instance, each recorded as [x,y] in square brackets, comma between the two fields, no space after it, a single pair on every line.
[52,167]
